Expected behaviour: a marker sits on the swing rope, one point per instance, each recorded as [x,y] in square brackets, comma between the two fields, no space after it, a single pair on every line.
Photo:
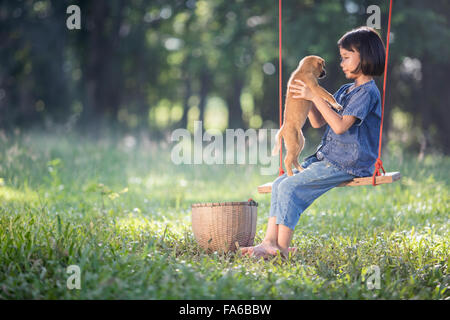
[378,163]
[280,95]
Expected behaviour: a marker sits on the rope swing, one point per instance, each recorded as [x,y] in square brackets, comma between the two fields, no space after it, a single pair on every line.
[377,178]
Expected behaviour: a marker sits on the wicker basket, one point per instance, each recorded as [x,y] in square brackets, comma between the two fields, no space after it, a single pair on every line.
[224,226]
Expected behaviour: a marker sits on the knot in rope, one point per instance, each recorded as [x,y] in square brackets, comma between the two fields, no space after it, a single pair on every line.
[378,166]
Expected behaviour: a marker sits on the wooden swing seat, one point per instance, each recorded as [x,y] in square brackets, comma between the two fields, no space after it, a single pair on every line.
[388,177]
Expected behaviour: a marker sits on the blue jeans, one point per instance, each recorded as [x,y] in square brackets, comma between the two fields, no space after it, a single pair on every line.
[292,195]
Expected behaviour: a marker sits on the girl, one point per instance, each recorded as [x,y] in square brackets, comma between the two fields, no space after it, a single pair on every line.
[349,145]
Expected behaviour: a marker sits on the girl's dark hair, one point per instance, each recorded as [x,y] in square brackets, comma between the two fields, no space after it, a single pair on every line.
[371,49]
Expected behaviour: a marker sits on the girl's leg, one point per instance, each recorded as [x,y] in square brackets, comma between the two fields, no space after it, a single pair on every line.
[284,239]
[271,237]
[272,228]
[269,244]
[298,192]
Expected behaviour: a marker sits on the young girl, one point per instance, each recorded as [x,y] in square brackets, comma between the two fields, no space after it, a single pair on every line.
[349,145]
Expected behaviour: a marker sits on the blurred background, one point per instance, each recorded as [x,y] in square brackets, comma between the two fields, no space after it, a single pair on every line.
[154,66]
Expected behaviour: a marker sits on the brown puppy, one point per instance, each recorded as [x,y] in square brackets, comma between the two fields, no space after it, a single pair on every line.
[296,111]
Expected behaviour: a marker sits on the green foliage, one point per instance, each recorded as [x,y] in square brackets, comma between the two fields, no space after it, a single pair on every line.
[139,244]
[145,64]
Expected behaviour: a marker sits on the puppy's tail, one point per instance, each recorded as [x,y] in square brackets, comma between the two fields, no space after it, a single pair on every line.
[276,147]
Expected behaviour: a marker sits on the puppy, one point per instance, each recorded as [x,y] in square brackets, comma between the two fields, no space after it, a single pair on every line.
[296,111]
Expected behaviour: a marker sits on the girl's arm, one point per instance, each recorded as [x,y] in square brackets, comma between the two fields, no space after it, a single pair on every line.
[339,124]
[315,118]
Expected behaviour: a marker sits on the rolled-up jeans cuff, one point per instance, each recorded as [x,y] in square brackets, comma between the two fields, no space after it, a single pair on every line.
[290,216]
[284,223]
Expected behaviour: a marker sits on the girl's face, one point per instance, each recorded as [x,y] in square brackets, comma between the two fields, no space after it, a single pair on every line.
[350,61]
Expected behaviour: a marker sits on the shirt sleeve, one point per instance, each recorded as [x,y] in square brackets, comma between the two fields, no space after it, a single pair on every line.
[359,106]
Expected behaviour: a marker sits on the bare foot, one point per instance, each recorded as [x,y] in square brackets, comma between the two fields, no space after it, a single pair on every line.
[263,250]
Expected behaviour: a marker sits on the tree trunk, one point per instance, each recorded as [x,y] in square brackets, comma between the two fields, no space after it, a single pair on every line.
[103,84]
[187,93]
[205,81]
[234,103]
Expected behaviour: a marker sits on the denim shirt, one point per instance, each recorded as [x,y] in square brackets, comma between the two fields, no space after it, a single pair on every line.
[356,150]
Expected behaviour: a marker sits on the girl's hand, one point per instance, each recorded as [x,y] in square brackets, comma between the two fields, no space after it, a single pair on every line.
[301,91]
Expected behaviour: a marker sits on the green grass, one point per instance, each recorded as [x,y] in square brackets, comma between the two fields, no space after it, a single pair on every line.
[123,216]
